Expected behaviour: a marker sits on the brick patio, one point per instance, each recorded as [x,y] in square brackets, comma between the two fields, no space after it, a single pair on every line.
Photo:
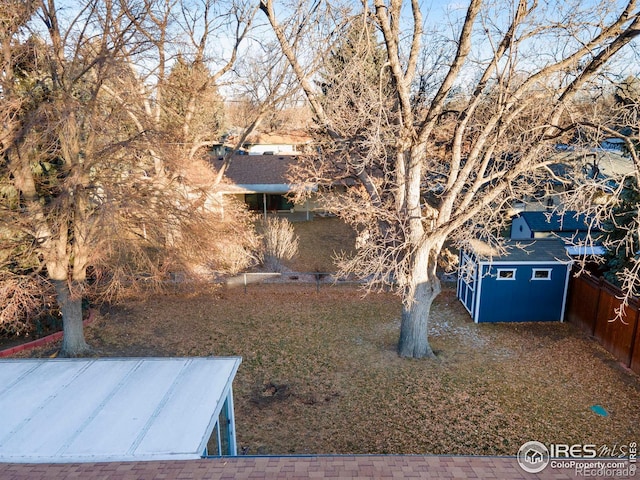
[311,467]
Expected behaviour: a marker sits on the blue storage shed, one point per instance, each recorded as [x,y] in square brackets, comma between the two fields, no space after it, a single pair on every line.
[526,283]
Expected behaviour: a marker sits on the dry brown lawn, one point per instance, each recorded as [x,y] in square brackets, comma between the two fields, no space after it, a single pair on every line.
[320,241]
[320,373]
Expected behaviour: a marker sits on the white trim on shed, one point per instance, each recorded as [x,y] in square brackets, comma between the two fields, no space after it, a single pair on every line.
[114,409]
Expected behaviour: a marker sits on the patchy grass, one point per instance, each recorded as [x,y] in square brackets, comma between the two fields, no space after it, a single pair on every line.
[320,373]
[320,241]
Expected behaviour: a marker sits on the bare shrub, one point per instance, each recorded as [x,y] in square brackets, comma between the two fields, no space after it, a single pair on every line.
[280,242]
[234,243]
[198,244]
[23,299]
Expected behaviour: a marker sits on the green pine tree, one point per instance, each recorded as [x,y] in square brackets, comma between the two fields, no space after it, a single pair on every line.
[622,234]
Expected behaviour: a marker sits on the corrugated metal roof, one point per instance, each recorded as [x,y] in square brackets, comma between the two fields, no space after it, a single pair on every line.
[81,410]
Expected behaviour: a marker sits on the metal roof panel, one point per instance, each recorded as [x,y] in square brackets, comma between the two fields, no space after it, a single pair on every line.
[68,410]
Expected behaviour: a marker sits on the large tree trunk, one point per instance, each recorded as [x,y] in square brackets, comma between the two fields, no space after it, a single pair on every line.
[423,286]
[414,341]
[73,343]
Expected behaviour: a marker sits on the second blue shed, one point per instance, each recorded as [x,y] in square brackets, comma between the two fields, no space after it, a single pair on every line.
[527,283]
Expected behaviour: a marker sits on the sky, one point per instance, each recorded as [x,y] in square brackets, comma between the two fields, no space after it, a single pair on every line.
[447,16]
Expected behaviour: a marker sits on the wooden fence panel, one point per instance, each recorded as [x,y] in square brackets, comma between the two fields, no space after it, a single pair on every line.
[591,306]
[615,334]
[635,355]
[582,304]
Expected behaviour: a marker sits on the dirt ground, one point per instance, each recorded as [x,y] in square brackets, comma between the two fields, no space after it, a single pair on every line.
[320,373]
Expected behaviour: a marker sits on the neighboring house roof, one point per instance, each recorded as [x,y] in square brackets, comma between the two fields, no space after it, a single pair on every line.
[573,228]
[257,173]
[614,141]
[261,169]
[292,138]
[293,142]
[519,251]
[611,164]
[554,222]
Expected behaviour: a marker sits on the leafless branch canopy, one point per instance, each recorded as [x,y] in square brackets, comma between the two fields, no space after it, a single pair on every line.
[105,110]
[451,124]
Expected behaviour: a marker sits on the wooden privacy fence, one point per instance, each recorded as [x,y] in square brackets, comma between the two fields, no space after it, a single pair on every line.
[592,305]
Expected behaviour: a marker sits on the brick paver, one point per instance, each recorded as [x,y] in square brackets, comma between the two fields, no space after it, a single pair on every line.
[306,467]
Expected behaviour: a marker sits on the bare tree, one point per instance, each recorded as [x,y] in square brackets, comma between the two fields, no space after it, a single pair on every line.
[263,84]
[458,125]
[98,184]
[175,68]
[50,148]
[609,192]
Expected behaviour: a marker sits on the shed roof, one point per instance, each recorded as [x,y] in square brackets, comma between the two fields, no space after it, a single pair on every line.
[80,410]
[520,251]
[555,222]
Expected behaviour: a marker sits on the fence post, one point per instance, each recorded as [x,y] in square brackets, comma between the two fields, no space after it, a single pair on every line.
[319,276]
[633,339]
